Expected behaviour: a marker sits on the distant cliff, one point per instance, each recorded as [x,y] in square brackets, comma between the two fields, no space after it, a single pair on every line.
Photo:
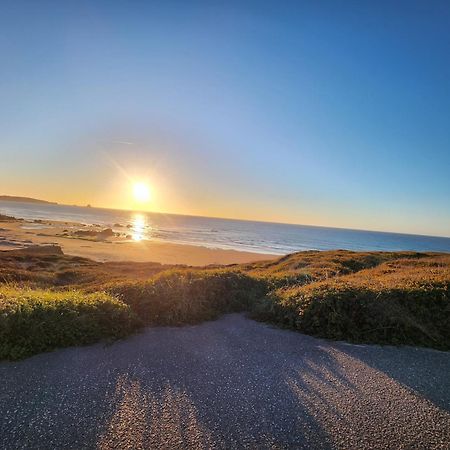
[11,198]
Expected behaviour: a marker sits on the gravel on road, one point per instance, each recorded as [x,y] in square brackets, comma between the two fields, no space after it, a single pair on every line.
[231,383]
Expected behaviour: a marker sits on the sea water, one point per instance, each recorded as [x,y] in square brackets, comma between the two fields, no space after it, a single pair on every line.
[259,237]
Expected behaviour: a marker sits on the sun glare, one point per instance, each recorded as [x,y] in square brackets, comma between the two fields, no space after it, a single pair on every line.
[138,227]
[141,192]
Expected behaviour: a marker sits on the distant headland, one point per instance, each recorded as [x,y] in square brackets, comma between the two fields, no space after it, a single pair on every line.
[12,198]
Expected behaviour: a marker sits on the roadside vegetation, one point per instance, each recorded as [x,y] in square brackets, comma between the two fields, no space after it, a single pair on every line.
[178,297]
[404,301]
[34,320]
[53,300]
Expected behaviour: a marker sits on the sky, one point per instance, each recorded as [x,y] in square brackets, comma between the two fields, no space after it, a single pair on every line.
[312,112]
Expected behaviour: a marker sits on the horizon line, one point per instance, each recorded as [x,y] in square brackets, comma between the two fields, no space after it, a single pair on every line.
[88,205]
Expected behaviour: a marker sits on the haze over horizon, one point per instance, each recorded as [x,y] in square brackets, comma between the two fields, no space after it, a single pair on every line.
[232,110]
[168,213]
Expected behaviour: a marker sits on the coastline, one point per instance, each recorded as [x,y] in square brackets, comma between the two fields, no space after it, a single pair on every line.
[226,234]
[16,234]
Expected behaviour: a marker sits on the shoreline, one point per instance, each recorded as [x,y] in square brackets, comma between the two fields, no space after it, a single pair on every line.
[233,219]
[91,241]
[228,234]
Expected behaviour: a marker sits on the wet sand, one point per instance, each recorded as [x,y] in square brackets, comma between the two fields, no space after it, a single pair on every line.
[231,383]
[20,234]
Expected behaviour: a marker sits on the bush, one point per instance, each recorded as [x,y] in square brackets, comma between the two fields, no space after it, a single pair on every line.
[33,321]
[189,296]
[396,303]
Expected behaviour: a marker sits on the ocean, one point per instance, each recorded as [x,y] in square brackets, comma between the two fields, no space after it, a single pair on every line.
[258,237]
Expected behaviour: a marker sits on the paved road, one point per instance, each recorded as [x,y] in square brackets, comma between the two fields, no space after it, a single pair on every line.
[232,383]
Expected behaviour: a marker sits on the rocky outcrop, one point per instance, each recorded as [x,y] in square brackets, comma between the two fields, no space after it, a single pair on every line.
[99,235]
[4,218]
[38,250]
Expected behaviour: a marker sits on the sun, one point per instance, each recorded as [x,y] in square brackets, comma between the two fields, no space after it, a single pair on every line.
[141,192]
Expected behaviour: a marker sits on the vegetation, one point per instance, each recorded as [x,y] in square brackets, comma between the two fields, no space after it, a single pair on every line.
[54,300]
[33,321]
[178,297]
[55,270]
[310,266]
[405,301]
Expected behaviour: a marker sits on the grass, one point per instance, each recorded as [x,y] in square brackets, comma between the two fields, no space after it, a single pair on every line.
[366,297]
[178,297]
[399,302]
[36,320]
[70,272]
[310,266]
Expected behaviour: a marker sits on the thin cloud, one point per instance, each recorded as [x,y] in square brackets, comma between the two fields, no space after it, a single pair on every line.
[122,142]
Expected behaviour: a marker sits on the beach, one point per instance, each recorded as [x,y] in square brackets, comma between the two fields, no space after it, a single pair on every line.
[91,241]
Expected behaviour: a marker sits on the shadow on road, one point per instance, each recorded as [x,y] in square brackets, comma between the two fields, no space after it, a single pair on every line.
[231,383]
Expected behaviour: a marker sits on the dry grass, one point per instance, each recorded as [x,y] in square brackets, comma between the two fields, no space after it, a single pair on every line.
[309,266]
[63,271]
[404,301]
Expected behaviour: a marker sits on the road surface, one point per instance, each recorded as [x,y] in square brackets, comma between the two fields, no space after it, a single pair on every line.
[231,383]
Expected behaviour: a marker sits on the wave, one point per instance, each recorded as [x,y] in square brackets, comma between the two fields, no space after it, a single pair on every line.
[259,237]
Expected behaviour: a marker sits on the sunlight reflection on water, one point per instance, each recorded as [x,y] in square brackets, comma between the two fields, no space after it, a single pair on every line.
[138,229]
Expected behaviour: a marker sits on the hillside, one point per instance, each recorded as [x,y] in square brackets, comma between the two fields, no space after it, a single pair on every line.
[364,297]
[12,198]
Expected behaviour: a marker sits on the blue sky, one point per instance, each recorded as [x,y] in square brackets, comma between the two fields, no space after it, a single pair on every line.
[315,112]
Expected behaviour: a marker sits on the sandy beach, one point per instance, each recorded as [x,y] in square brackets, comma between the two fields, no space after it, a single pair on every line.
[118,245]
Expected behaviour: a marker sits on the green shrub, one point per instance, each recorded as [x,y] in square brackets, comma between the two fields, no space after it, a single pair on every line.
[189,296]
[33,321]
[396,303]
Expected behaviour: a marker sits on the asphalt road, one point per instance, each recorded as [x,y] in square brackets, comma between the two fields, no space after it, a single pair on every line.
[232,383]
